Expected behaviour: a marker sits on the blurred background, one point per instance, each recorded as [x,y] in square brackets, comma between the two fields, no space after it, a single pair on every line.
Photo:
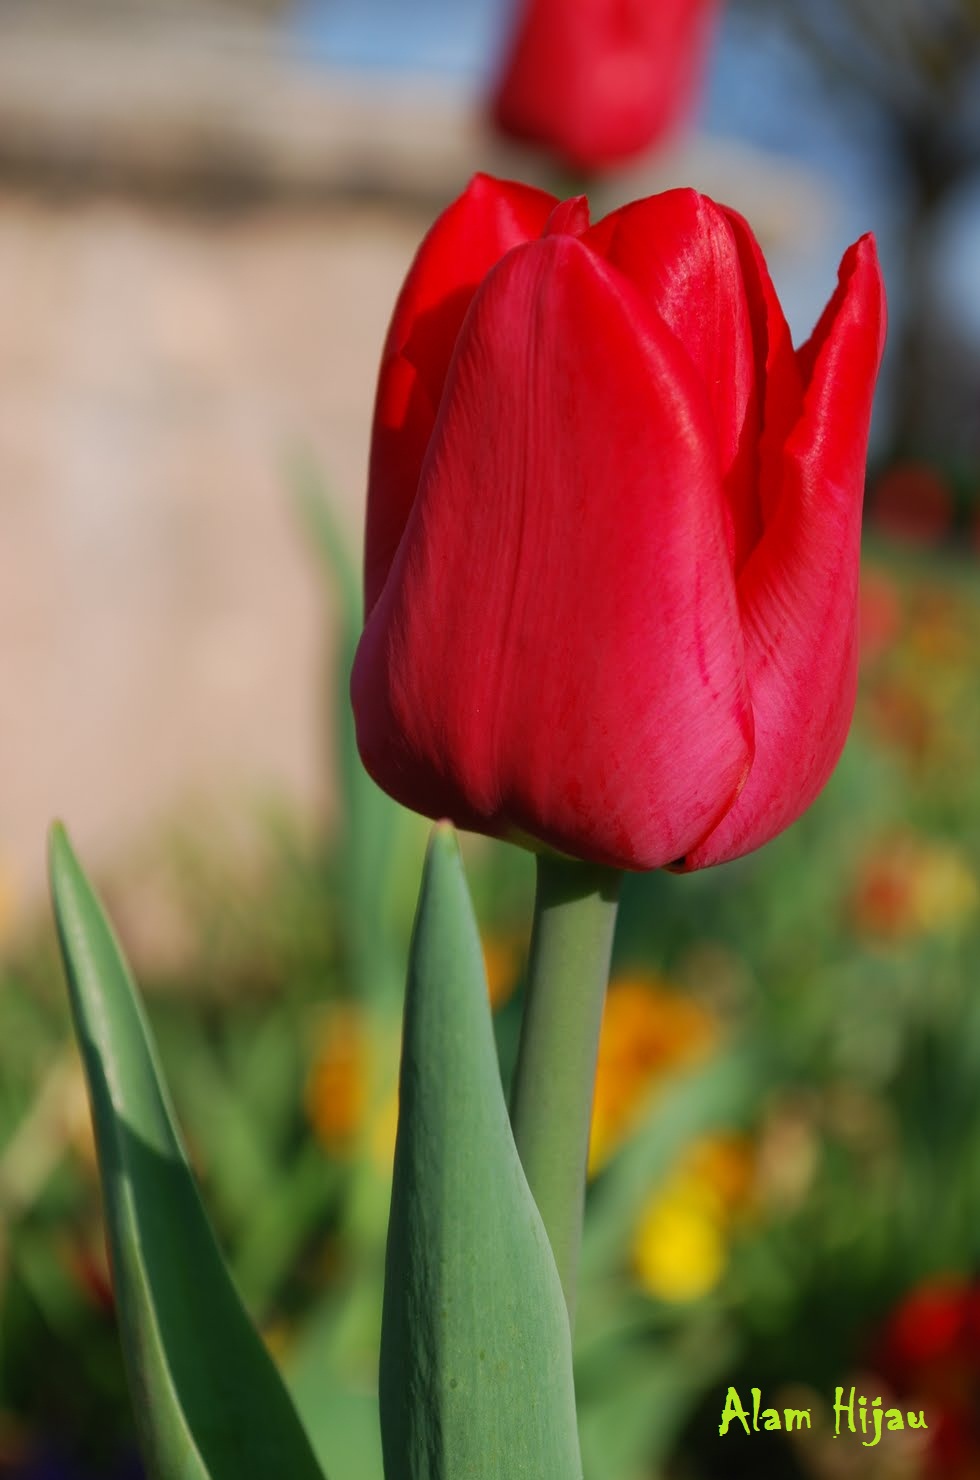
[206,211]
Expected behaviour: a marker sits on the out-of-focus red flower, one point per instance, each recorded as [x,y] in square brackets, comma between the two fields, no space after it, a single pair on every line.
[929,1351]
[912,501]
[598,81]
[611,568]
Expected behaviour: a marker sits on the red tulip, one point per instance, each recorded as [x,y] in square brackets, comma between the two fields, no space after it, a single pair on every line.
[597,81]
[929,1351]
[613,528]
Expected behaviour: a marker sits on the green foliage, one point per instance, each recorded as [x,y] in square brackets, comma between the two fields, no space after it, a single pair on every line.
[209,1403]
[476,1363]
[381,844]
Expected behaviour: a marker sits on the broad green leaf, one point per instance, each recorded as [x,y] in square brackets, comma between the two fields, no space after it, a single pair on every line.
[208,1400]
[476,1371]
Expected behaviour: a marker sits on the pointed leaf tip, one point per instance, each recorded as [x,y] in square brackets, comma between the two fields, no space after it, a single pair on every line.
[443,835]
[208,1401]
[476,1369]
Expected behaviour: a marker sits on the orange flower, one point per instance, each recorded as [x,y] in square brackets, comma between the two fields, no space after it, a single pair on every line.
[910,886]
[502,960]
[649,1031]
[337,1088]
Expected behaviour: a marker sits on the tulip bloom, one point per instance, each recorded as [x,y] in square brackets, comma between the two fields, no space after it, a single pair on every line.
[613,527]
[598,81]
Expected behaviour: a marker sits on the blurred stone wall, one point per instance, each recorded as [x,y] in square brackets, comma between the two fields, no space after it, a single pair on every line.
[201,239]
[188,293]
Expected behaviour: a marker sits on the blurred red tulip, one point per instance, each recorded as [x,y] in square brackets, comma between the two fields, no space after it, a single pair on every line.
[929,1350]
[598,81]
[613,530]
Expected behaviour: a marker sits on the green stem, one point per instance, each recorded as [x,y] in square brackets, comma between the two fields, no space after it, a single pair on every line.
[551,1099]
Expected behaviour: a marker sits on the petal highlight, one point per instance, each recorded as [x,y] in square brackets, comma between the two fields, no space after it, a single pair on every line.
[471,235]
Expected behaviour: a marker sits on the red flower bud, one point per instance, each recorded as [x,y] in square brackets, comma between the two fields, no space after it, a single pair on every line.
[613,528]
[597,81]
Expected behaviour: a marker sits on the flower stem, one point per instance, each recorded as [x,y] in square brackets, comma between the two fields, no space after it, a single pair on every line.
[551,1098]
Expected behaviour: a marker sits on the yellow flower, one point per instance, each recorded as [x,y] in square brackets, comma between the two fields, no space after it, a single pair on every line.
[680,1247]
[337,1087]
[947,891]
[649,1031]
[384,1130]
[680,1250]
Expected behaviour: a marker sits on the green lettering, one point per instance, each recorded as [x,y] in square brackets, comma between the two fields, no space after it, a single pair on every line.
[840,1408]
[733,1409]
[800,1415]
[771,1419]
[876,1419]
[895,1419]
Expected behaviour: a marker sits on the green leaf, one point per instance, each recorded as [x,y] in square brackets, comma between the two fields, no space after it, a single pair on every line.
[208,1400]
[476,1368]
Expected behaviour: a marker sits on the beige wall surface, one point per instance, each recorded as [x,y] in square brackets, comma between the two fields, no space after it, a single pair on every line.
[161,625]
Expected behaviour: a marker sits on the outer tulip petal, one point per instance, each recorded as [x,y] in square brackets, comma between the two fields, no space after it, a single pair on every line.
[799,591]
[683,254]
[558,648]
[487,220]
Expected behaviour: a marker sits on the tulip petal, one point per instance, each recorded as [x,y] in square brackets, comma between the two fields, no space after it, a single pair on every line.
[681,251]
[798,593]
[597,81]
[487,220]
[557,650]
[777,369]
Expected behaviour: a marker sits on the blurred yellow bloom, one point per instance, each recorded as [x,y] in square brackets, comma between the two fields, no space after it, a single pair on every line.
[337,1087]
[680,1248]
[911,886]
[384,1130]
[649,1031]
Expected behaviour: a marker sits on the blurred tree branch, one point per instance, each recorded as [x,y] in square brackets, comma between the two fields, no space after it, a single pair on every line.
[918,63]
